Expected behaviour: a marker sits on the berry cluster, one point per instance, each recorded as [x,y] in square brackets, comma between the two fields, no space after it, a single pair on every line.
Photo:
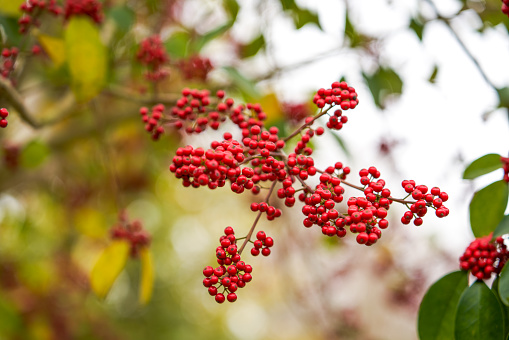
[152,54]
[339,94]
[32,9]
[259,156]
[231,274]
[133,232]
[8,60]
[3,117]
[262,242]
[505,162]
[434,199]
[505,7]
[195,67]
[91,8]
[152,121]
[485,256]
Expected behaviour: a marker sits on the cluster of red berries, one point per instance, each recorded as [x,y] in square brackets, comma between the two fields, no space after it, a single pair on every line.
[11,155]
[152,121]
[8,59]
[339,94]
[231,274]
[505,162]
[195,67]
[133,232]
[152,54]
[32,9]
[302,145]
[485,256]
[3,117]
[505,7]
[262,242]
[337,120]
[91,8]
[192,114]
[271,211]
[433,199]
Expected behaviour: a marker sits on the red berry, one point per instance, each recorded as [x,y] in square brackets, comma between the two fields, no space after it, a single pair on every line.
[220,298]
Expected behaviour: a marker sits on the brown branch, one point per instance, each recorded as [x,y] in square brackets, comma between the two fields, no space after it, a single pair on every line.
[248,236]
[14,98]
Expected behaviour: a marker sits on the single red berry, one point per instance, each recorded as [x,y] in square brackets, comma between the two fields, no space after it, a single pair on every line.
[220,298]
[232,297]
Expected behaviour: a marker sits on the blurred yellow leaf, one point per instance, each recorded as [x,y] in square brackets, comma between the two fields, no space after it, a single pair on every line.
[270,105]
[90,222]
[54,47]
[86,58]
[111,262]
[147,275]
[11,7]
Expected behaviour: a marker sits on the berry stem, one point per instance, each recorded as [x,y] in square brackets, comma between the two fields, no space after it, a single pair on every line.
[308,124]
[248,236]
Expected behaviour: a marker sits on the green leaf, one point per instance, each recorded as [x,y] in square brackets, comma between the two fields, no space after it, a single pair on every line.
[303,17]
[438,307]
[479,315]
[123,17]
[505,309]
[482,166]
[503,97]
[10,319]
[288,5]
[9,31]
[34,154]
[434,74]
[353,36]
[178,44]
[147,275]
[253,47]
[417,27]
[487,208]
[86,58]
[383,82]
[106,270]
[232,8]
[503,285]
[245,86]
[503,227]
[211,35]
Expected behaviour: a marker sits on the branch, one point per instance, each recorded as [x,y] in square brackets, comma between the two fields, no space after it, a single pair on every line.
[14,98]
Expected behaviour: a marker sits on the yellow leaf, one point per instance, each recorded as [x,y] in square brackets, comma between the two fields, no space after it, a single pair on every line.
[106,270]
[271,107]
[11,7]
[147,275]
[54,47]
[90,222]
[86,58]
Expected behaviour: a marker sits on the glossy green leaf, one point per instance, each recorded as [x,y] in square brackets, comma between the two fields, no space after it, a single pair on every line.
[253,47]
[482,166]
[432,78]
[232,8]
[288,4]
[34,154]
[147,275]
[106,270]
[86,58]
[246,86]
[123,17]
[383,82]
[503,285]
[503,227]
[505,309]
[438,307]
[479,315]
[417,27]
[178,44]
[487,208]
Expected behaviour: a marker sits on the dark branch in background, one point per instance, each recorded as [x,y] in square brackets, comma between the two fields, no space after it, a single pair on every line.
[447,23]
[14,98]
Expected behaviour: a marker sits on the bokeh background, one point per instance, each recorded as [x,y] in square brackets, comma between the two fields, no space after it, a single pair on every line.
[432,80]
